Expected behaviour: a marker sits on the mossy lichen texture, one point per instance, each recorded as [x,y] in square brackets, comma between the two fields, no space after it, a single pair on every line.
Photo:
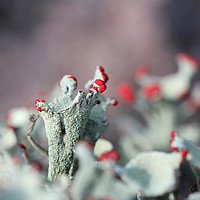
[68,120]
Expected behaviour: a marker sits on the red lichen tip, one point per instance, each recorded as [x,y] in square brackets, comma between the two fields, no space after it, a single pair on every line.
[72,77]
[114,155]
[39,109]
[9,126]
[69,76]
[173,134]
[105,77]
[126,93]
[184,153]
[95,89]
[194,62]
[99,82]
[103,74]
[101,69]
[91,86]
[98,102]
[90,91]
[43,101]
[37,100]
[115,102]
[22,146]
[102,88]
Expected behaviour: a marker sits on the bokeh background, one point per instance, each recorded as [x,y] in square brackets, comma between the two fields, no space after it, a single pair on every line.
[40,41]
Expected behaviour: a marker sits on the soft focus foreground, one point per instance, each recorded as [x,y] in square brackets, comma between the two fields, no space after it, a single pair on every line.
[69,146]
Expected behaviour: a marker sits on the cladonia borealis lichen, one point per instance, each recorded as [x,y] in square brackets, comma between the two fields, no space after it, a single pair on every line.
[70,119]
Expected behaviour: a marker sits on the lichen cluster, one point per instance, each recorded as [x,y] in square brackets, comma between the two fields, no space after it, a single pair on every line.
[144,162]
[69,119]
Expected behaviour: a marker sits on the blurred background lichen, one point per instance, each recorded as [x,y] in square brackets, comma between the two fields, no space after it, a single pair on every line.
[41,40]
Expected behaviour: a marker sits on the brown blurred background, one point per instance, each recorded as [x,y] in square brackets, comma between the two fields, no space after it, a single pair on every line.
[40,41]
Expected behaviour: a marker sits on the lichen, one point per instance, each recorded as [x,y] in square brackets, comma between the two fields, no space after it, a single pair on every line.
[68,120]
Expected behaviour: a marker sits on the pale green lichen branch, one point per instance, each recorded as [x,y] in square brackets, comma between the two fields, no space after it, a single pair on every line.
[83,117]
[32,120]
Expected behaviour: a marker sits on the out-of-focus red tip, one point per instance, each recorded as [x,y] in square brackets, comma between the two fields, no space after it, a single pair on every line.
[103,156]
[43,101]
[173,133]
[22,146]
[90,91]
[9,126]
[114,155]
[126,93]
[111,155]
[98,102]
[152,91]
[72,77]
[184,94]
[184,153]
[194,61]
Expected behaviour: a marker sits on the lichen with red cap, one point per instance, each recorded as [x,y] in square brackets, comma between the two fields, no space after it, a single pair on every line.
[188,150]
[79,117]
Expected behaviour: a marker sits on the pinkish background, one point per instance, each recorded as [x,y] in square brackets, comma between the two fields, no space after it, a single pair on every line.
[42,41]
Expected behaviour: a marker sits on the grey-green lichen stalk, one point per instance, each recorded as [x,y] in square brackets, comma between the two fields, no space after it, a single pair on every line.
[68,120]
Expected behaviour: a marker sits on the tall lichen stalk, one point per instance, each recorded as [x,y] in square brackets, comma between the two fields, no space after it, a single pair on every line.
[83,117]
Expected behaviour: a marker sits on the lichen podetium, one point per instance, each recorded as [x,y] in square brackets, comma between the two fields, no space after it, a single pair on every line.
[82,117]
